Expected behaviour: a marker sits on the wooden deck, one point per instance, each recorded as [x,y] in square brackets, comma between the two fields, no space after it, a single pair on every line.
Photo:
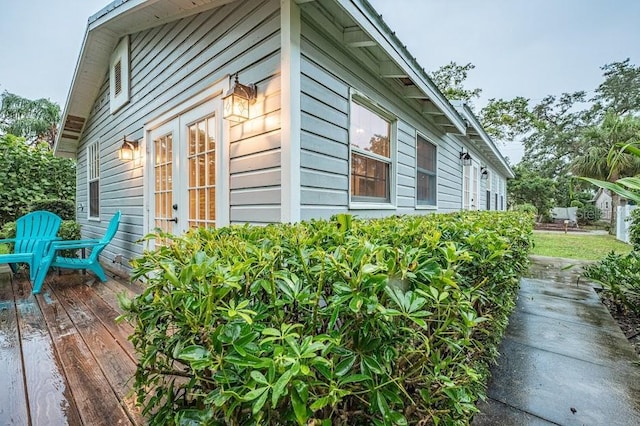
[63,358]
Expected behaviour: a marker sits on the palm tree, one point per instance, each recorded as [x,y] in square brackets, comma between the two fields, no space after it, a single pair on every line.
[599,142]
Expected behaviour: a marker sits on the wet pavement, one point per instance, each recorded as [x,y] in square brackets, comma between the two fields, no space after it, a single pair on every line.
[564,360]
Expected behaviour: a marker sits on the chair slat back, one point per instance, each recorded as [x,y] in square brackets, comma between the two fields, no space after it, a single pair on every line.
[108,235]
[35,226]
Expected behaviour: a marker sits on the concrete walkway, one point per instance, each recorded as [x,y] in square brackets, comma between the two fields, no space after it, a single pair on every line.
[564,360]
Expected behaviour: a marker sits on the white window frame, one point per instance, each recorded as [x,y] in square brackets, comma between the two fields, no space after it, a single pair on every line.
[435,145]
[375,204]
[93,175]
[119,55]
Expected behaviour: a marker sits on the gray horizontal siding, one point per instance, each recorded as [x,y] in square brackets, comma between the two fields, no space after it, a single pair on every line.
[324,102]
[170,64]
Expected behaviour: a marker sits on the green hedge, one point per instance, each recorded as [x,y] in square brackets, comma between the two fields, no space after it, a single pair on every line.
[29,174]
[353,322]
[69,230]
[66,209]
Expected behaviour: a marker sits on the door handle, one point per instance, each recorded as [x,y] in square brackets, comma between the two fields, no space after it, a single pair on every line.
[175,220]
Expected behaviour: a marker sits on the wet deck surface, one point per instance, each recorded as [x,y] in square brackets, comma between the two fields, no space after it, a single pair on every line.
[63,358]
[564,360]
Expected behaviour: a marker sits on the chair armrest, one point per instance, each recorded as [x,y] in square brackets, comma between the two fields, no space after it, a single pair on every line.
[74,244]
[7,240]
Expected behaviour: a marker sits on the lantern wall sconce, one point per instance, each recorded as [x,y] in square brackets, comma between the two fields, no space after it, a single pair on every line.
[484,173]
[466,158]
[129,149]
[237,100]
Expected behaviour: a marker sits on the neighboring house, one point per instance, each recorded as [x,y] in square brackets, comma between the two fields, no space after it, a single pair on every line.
[602,200]
[344,120]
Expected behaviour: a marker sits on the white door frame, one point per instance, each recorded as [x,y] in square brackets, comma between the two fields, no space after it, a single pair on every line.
[206,102]
[473,189]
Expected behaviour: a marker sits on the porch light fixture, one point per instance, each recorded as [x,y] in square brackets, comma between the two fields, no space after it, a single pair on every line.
[129,150]
[466,158]
[484,173]
[237,100]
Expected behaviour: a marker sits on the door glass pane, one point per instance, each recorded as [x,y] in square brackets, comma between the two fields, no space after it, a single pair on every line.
[202,178]
[162,192]
[211,131]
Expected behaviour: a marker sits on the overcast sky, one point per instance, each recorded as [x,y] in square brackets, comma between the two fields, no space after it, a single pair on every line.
[520,47]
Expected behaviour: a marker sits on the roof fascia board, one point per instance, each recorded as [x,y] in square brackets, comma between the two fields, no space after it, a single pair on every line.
[364,14]
[114,9]
[65,112]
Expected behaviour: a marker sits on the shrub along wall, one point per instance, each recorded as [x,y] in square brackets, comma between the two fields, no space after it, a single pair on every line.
[29,174]
[347,321]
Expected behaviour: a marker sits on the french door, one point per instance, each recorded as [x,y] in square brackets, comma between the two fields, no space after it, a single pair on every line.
[183,166]
[471,186]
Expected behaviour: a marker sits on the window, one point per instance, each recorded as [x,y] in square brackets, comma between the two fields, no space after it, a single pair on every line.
[427,166]
[370,140]
[93,179]
[119,76]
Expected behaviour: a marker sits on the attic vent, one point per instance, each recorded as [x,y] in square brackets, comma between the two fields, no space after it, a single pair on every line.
[119,76]
[117,71]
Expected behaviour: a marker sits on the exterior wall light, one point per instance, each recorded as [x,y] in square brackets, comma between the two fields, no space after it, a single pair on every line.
[129,150]
[237,100]
[484,173]
[466,158]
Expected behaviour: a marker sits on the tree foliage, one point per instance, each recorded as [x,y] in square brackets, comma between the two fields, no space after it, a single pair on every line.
[529,187]
[35,120]
[620,90]
[505,120]
[31,173]
[450,80]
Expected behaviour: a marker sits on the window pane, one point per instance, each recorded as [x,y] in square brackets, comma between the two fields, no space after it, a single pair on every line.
[94,198]
[369,177]
[369,131]
[426,161]
[426,189]
[93,173]
[426,155]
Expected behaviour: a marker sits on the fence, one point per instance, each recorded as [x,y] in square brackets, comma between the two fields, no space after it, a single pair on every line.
[622,224]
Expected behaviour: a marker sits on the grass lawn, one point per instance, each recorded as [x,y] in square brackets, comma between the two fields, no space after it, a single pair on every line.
[577,245]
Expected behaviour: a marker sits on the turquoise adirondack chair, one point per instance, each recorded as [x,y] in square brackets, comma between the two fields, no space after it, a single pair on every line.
[51,258]
[34,233]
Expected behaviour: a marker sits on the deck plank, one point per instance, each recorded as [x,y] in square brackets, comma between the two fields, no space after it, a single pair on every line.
[93,395]
[13,399]
[50,398]
[107,314]
[116,363]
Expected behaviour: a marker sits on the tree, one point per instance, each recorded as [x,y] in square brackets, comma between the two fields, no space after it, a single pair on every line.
[506,120]
[620,91]
[34,120]
[450,80]
[529,187]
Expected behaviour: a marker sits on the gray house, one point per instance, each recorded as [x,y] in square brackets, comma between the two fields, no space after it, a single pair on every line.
[330,114]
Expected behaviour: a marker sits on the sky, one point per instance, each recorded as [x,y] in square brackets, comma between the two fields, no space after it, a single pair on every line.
[529,48]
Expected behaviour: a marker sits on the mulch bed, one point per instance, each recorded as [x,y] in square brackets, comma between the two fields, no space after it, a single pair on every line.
[628,321]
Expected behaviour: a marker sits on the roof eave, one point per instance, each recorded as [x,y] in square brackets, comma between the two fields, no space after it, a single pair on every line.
[485,138]
[372,23]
